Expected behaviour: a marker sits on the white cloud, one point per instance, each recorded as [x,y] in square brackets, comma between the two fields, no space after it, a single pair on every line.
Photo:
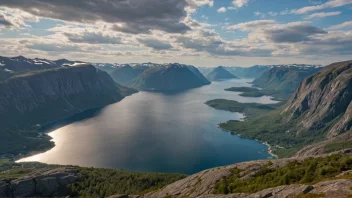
[329,4]
[240,3]
[260,14]
[251,25]
[320,15]
[342,25]
[222,10]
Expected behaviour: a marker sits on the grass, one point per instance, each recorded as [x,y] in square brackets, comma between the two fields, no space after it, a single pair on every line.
[250,109]
[308,171]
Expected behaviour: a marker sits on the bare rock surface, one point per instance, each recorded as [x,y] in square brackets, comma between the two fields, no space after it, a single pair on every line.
[48,183]
[201,185]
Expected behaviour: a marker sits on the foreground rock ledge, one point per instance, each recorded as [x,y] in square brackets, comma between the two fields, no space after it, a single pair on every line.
[47,183]
[201,185]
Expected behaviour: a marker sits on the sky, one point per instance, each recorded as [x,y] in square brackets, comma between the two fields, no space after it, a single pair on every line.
[204,33]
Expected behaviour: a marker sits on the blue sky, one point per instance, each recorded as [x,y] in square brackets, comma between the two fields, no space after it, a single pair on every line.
[197,32]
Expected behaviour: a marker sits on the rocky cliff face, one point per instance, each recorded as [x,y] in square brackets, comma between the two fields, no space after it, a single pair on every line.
[324,99]
[45,96]
[49,183]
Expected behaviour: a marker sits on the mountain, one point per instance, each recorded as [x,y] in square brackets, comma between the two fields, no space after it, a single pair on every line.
[36,98]
[248,72]
[23,64]
[324,99]
[170,77]
[20,64]
[125,74]
[284,79]
[198,74]
[220,73]
[318,114]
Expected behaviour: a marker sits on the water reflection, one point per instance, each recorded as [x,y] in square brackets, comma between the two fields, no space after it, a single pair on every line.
[156,132]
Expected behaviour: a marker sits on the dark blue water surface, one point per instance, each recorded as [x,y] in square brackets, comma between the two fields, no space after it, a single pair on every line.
[157,132]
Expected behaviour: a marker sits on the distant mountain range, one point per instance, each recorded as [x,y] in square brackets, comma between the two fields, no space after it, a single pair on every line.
[253,71]
[20,64]
[284,79]
[127,73]
[169,77]
[220,73]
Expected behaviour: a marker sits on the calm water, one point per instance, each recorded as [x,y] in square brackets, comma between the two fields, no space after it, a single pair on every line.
[157,132]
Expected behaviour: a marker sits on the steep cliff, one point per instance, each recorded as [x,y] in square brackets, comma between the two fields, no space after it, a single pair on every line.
[324,99]
[31,100]
[284,79]
[45,96]
[315,116]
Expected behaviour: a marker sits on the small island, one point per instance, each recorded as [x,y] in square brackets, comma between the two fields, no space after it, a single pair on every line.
[247,91]
[249,109]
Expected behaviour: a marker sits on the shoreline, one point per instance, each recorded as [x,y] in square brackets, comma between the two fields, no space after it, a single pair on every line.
[270,150]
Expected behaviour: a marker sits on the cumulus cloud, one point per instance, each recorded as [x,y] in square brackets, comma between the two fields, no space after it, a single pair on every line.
[51,47]
[320,15]
[251,25]
[292,32]
[342,25]
[279,33]
[329,4]
[4,22]
[146,15]
[92,38]
[336,43]
[240,3]
[222,9]
[212,44]
[155,44]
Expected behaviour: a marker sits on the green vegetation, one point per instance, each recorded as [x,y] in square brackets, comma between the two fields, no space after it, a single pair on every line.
[106,182]
[250,109]
[10,169]
[247,91]
[272,127]
[281,82]
[23,141]
[96,182]
[338,145]
[309,171]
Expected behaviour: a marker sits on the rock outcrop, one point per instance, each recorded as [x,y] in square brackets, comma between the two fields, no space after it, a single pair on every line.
[201,185]
[49,183]
[324,99]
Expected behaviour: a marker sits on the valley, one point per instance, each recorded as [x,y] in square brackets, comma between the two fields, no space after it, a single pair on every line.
[175,113]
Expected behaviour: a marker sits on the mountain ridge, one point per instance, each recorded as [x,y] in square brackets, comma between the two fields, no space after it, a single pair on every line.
[220,73]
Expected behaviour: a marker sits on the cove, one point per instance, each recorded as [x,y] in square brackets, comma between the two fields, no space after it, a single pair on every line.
[157,132]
